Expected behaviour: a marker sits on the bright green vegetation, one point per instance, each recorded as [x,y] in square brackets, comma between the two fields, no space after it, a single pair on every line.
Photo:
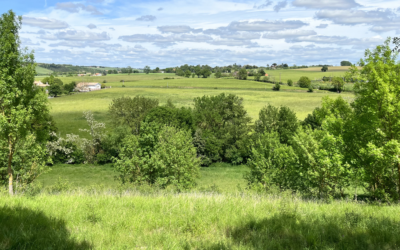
[221,176]
[154,220]
[43,71]
[283,75]
[116,78]
[67,110]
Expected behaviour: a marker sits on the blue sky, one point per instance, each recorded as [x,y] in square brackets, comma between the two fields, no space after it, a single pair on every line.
[175,32]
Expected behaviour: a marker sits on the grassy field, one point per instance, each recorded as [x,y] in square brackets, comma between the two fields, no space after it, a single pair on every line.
[330,69]
[197,220]
[43,71]
[221,177]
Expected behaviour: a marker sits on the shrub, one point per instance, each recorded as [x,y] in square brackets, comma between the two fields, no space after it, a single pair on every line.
[123,86]
[304,82]
[257,77]
[242,75]
[277,87]
[218,74]
[289,82]
[338,83]
[310,89]
[265,79]
[104,81]
[103,86]
[173,161]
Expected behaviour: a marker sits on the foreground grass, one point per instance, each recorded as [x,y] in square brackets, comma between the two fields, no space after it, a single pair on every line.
[220,177]
[137,220]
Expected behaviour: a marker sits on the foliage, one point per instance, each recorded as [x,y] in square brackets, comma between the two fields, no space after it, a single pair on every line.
[91,147]
[242,75]
[324,68]
[277,86]
[23,108]
[55,90]
[221,128]
[304,82]
[282,120]
[188,73]
[218,74]
[70,87]
[171,116]
[146,69]
[345,63]
[338,83]
[173,161]
[65,150]
[131,111]
[205,72]
[289,82]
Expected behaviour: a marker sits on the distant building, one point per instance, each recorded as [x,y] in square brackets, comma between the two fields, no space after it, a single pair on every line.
[97,74]
[88,86]
[266,74]
[40,84]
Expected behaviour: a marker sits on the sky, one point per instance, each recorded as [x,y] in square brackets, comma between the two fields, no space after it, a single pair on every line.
[168,33]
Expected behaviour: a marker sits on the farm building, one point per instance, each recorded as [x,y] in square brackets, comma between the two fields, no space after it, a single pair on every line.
[88,86]
[97,74]
[40,84]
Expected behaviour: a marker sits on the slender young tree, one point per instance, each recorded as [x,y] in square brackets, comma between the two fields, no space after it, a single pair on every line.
[23,108]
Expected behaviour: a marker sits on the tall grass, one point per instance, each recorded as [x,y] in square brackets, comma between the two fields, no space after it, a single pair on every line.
[166,220]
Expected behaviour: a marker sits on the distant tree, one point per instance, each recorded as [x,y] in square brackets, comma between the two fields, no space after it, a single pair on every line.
[129,70]
[146,69]
[324,68]
[304,82]
[69,88]
[197,71]
[131,111]
[345,63]
[205,73]
[188,73]
[242,74]
[276,87]
[218,74]
[104,73]
[289,82]
[338,83]
[55,90]
[135,71]
[257,77]
[157,70]
[285,65]
[262,72]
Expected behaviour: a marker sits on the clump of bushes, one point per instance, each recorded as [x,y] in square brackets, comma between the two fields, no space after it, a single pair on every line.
[289,82]
[277,87]
[304,82]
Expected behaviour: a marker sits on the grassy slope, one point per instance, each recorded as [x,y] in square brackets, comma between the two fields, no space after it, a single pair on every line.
[193,221]
[224,176]
[42,71]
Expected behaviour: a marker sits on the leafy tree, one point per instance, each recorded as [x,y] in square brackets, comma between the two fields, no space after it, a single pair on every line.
[324,68]
[24,110]
[375,143]
[282,120]
[188,73]
[257,77]
[345,63]
[197,71]
[55,90]
[289,82]
[173,161]
[277,86]
[104,73]
[218,74]
[146,69]
[304,82]
[205,72]
[222,128]
[70,87]
[181,118]
[242,74]
[338,83]
[157,70]
[131,111]
[261,72]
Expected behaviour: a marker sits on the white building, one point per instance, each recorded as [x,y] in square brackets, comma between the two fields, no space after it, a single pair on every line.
[88,86]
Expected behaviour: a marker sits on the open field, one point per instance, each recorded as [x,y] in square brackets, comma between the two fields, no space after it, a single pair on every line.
[43,71]
[219,176]
[163,220]
[330,69]
[294,74]
[67,110]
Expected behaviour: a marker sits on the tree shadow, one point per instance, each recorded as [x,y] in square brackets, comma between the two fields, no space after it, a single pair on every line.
[22,228]
[292,231]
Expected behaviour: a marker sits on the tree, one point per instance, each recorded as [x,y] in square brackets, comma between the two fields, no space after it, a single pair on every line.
[188,73]
[104,73]
[276,87]
[131,111]
[289,82]
[205,72]
[345,63]
[282,120]
[55,90]
[242,74]
[146,69]
[218,74]
[172,162]
[338,83]
[324,68]
[197,71]
[222,128]
[304,82]
[70,87]
[24,109]
[261,72]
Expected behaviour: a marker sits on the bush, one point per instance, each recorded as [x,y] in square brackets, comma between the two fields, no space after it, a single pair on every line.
[277,87]
[123,86]
[310,89]
[103,86]
[173,161]
[242,75]
[338,83]
[289,82]
[304,82]
[104,81]
[218,74]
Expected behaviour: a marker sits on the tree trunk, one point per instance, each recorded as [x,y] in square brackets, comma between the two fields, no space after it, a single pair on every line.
[398,187]
[10,172]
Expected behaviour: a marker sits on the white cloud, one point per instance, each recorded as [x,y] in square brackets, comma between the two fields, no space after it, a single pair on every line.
[76,7]
[280,5]
[44,23]
[146,18]
[353,17]
[91,26]
[326,4]
[289,34]
[76,35]
[264,5]
[322,26]
[266,25]
[177,29]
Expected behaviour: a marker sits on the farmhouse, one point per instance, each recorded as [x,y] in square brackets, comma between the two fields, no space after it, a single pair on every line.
[88,86]
[97,74]
[40,84]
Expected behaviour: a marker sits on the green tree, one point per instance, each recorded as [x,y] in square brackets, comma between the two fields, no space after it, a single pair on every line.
[345,63]
[197,71]
[55,90]
[282,120]
[70,87]
[218,74]
[277,86]
[324,68]
[146,69]
[173,161]
[205,72]
[304,82]
[23,108]
[188,73]
[222,128]
[289,82]
[131,111]
[242,75]
[338,83]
